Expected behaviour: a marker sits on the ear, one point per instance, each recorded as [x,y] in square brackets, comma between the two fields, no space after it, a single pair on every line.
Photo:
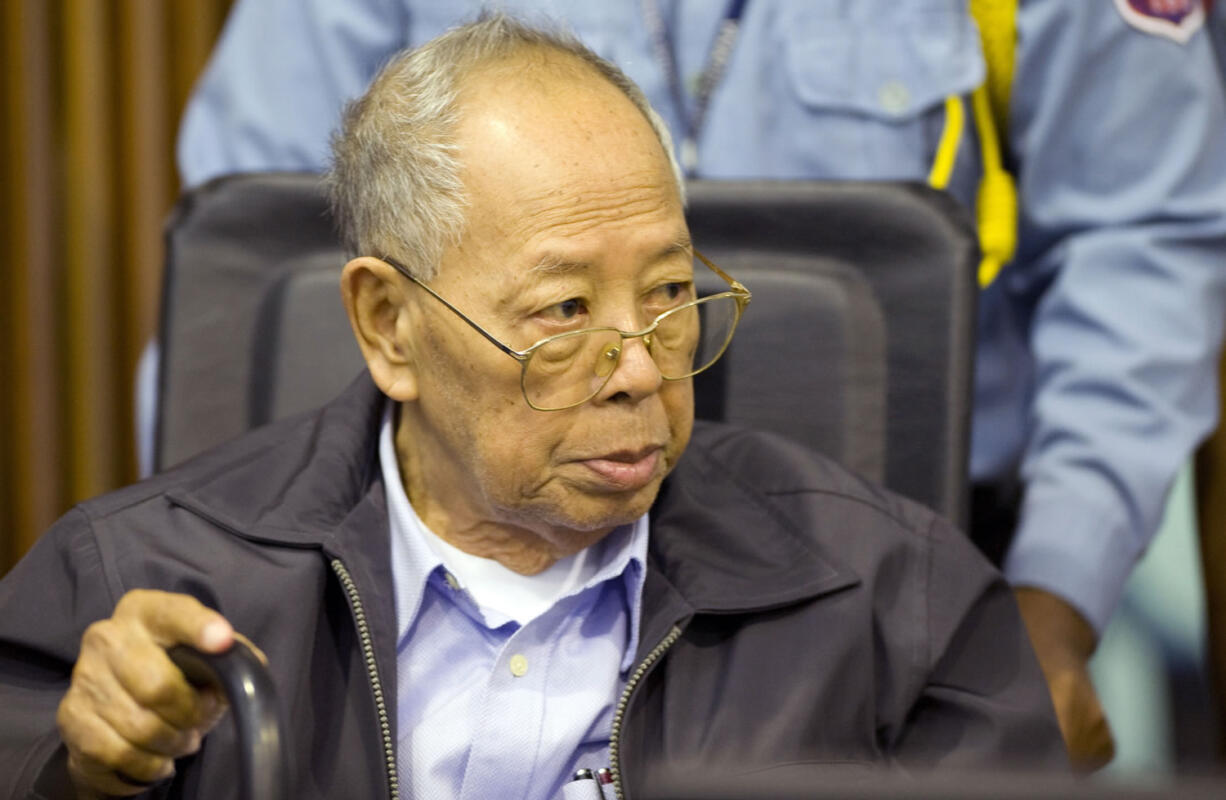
[376,300]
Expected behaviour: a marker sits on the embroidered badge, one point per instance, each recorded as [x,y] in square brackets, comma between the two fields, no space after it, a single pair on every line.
[1174,19]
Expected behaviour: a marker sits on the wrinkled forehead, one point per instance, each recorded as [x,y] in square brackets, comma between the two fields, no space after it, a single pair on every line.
[561,169]
[547,105]
[551,110]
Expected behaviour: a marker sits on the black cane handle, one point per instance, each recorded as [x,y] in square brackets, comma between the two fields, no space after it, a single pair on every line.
[243,678]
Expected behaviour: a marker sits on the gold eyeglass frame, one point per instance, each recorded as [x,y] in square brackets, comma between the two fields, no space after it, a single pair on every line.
[737,291]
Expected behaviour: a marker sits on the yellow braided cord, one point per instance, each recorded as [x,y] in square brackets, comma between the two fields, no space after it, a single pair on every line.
[951,140]
[996,203]
[997,20]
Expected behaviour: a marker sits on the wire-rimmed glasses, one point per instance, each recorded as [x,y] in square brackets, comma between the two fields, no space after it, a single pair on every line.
[568,369]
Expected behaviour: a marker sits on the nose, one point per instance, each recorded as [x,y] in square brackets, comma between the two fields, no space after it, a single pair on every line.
[636,375]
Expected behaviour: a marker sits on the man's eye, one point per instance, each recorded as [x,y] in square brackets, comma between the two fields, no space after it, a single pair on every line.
[565,310]
[671,294]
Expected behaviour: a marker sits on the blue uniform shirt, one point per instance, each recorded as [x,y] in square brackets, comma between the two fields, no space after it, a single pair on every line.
[1096,371]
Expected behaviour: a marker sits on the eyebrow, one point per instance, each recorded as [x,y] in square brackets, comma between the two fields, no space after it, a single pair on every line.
[682,244]
[553,264]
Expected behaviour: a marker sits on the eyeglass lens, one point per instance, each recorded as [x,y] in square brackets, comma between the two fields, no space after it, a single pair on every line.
[573,368]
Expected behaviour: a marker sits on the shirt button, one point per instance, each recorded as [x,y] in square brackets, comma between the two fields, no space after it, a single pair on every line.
[518,665]
[894,97]
[451,581]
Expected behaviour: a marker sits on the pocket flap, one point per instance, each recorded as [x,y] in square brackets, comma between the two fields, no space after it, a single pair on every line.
[895,71]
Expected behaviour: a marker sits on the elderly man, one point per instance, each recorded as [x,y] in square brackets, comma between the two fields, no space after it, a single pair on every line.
[487,563]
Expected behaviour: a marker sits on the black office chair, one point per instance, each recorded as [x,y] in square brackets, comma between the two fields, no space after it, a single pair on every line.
[858,341]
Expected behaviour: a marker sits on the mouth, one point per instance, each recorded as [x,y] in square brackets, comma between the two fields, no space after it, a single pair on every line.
[626,470]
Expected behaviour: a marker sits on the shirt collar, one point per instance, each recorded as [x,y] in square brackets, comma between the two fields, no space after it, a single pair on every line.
[623,553]
[413,560]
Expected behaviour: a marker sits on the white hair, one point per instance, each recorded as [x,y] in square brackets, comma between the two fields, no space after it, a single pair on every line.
[395,180]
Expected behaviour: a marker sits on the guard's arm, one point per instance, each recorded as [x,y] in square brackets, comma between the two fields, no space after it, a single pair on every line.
[1122,173]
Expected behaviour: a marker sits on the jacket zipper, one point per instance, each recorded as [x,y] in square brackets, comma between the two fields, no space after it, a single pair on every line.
[372,672]
[623,703]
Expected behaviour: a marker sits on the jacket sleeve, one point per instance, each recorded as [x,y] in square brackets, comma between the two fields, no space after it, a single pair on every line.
[46,602]
[982,700]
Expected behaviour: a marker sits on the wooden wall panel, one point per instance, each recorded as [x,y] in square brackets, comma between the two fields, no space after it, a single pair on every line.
[194,27]
[88,218]
[147,190]
[33,464]
[90,97]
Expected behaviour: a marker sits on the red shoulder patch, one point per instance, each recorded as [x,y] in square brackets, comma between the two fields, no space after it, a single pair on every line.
[1175,19]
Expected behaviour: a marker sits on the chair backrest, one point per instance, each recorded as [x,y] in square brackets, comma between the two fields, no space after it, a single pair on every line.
[858,341]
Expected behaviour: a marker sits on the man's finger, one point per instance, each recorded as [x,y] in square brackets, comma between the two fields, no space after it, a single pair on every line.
[98,755]
[144,671]
[258,652]
[174,619]
[143,728]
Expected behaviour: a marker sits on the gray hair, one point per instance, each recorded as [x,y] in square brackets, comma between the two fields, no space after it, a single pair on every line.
[395,180]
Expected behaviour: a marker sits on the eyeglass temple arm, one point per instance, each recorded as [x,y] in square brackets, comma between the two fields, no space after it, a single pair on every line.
[403,270]
[736,285]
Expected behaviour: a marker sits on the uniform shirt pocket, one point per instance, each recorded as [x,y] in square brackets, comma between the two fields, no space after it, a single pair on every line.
[860,95]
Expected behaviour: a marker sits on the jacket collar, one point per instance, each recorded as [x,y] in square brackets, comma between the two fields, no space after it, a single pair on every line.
[297,481]
[716,544]
[724,546]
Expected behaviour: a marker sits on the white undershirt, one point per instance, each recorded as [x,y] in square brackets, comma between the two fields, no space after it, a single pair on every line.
[505,592]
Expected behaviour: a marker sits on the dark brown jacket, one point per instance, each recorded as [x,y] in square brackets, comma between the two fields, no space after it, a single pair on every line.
[793,614]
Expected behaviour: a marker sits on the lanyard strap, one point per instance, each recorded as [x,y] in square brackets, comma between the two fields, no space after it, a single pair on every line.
[717,62]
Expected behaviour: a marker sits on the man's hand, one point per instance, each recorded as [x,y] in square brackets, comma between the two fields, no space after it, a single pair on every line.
[129,712]
[1064,642]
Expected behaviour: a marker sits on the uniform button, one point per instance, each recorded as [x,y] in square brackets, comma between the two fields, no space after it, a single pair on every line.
[519,665]
[451,581]
[894,97]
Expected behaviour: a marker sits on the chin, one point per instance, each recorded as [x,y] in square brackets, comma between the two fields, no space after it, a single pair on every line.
[588,514]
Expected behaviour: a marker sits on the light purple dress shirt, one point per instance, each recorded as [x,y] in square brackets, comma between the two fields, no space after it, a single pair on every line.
[487,708]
